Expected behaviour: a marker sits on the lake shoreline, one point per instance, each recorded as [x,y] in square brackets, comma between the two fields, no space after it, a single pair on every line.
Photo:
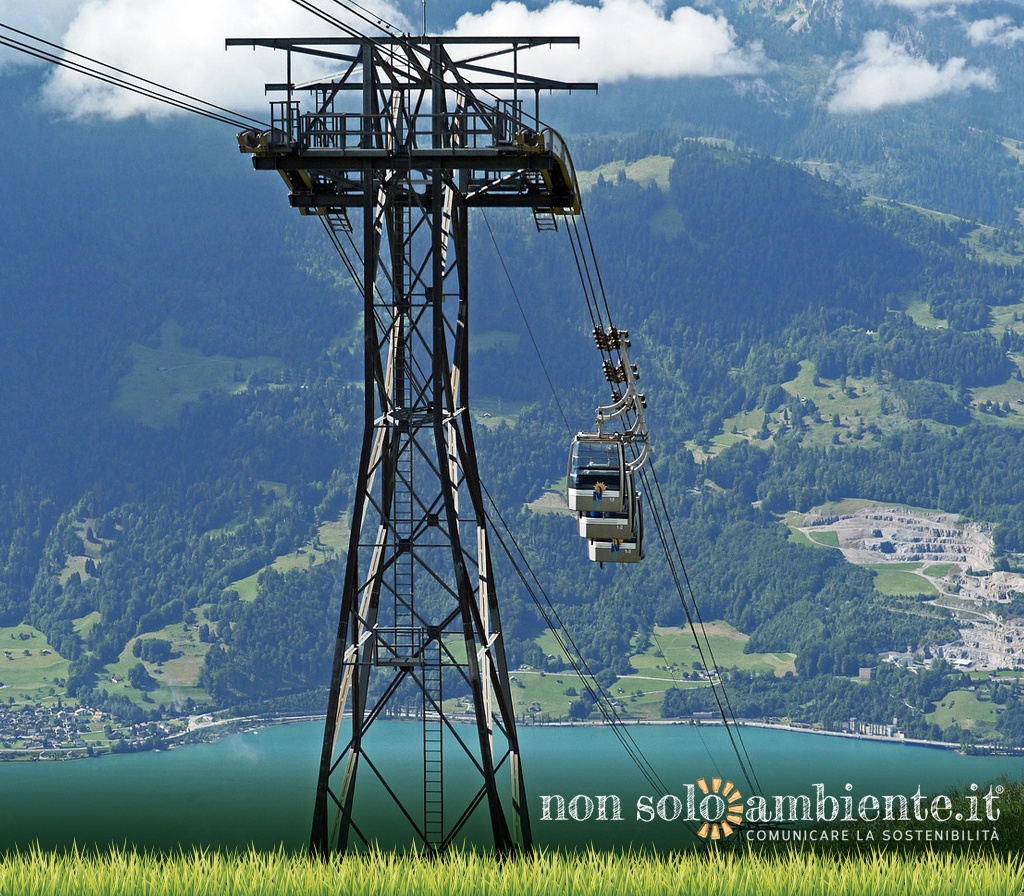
[251,723]
[205,729]
[260,786]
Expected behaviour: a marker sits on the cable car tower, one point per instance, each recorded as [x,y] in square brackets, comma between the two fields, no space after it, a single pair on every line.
[391,153]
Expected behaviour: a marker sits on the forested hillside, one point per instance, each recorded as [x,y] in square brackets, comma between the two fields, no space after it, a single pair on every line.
[179,420]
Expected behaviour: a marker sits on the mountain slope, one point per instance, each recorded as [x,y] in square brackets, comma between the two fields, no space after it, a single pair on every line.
[210,526]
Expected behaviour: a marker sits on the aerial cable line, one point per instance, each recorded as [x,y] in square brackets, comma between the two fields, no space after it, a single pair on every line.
[597,304]
[355,9]
[675,681]
[340,249]
[592,308]
[670,529]
[588,269]
[659,515]
[602,699]
[368,16]
[155,91]
[583,266]
[659,510]
[529,329]
[326,17]
[597,269]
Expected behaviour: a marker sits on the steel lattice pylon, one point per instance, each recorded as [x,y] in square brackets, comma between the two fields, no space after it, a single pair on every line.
[392,155]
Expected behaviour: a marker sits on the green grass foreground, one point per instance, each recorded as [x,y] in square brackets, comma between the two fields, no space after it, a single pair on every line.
[793,873]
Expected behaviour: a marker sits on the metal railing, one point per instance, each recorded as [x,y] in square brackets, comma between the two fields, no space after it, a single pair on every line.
[354,130]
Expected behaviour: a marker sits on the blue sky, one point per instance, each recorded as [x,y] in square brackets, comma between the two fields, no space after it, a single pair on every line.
[181,43]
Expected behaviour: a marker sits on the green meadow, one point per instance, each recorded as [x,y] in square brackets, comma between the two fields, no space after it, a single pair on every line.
[166,375]
[29,666]
[669,660]
[330,543]
[646,171]
[709,873]
[901,579]
[672,652]
[829,539]
[967,710]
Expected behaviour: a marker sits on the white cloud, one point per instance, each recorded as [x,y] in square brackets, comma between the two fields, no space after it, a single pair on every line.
[621,39]
[45,18]
[1000,31]
[179,43]
[883,74]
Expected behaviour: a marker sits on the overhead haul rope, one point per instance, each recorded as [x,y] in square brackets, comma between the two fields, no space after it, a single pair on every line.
[130,82]
[585,257]
[667,527]
[597,269]
[342,254]
[526,321]
[613,719]
[356,10]
[368,16]
[596,298]
[663,524]
[590,278]
[602,699]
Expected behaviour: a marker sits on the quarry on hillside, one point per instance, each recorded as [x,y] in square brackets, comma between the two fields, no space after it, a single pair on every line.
[952,556]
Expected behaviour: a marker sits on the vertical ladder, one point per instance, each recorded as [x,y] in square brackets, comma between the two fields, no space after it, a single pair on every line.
[402,510]
[433,752]
[402,522]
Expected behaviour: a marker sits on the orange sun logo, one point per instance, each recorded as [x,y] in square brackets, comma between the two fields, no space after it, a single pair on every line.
[725,803]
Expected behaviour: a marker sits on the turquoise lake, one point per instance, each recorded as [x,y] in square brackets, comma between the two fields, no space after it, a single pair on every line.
[257,788]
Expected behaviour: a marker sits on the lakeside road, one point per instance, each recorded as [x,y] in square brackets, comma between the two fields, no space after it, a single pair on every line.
[881,738]
[198,723]
[205,722]
[204,728]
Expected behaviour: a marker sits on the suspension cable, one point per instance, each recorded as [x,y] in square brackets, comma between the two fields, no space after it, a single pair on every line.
[587,266]
[324,16]
[368,16]
[602,699]
[660,513]
[526,321]
[130,82]
[667,533]
[662,523]
[597,269]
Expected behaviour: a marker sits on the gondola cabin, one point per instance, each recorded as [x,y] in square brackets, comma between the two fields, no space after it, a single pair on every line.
[603,525]
[621,550]
[597,474]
